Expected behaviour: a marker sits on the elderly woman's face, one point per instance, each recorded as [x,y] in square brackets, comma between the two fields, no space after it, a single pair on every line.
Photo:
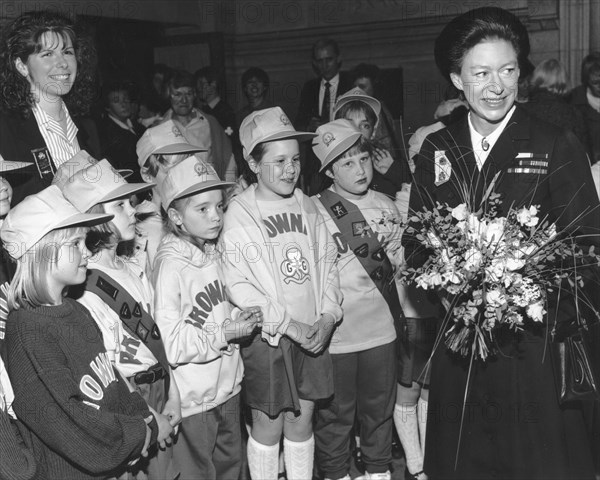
[489,79]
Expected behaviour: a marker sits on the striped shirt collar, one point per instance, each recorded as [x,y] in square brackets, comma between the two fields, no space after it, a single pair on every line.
[62,147]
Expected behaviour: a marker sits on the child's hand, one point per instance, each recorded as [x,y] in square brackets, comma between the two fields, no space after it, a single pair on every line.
[164,430]
[172,411]
[244,324]
[319,334]
[382,160]
[146,446]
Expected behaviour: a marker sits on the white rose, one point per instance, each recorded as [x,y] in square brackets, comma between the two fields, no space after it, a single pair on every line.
[514,263]
[528,216]
[495,298]
[536,311]
[460,212]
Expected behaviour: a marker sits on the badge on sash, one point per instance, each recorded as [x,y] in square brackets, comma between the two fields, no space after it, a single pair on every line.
[339,210]
[43,162]
[443,168]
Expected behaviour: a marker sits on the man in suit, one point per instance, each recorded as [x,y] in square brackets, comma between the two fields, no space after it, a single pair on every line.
[326,62]
[317,100]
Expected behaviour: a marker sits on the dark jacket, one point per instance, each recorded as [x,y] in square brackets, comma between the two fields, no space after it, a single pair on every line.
[19,138]
[309,99]
[118,146]
[555,109]
[513,425]
[592,119]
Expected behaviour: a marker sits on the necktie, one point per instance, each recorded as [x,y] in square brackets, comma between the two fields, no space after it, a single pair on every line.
[325,111]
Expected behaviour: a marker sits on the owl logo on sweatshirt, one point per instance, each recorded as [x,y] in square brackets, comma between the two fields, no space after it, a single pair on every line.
[294,267]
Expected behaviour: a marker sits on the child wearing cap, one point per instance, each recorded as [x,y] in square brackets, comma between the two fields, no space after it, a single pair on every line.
[6,266]
[363,111]
[198,323]
[369,249]
[120,298]
[158,149]
[17,461]
[275,249]
[365,341]
[82,421]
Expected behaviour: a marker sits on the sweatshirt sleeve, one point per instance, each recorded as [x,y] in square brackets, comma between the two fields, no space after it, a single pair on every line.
[16,461]
[49,401]
[186,339]
[331,298]
[247,282]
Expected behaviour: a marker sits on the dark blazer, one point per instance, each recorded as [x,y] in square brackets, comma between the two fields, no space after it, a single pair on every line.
[309,99]
[118,146]
[592,119]
[513,426]
[19,137]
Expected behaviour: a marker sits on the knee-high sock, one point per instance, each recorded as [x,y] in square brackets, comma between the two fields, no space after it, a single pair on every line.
[299,458]
[405,419]
[263,460]
[422,406]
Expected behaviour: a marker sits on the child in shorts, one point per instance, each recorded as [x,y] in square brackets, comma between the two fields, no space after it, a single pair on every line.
[275,249]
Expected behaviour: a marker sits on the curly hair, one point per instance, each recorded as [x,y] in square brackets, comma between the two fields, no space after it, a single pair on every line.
[22,38]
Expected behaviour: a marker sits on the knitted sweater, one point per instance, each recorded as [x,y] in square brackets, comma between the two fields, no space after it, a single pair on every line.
[83,422]
[16,460]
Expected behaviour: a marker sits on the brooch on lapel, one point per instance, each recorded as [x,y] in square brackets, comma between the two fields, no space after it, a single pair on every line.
[536,163]
[443,167]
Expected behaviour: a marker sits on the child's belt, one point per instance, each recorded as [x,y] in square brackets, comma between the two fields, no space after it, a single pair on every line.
[135,319]
[365,245]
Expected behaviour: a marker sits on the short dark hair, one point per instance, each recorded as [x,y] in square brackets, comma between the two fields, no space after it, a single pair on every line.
[590,64]
[209,73]
[362,145]
[324,43]
[366,70]
[117,86]
[467,30]
[356,106]
[182,78]
[21,38]
[255,72]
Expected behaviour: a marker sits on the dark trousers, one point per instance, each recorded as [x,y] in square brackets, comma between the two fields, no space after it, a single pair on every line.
[365,388]
[209,444]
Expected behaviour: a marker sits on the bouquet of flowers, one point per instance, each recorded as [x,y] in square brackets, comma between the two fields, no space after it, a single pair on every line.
[491,271]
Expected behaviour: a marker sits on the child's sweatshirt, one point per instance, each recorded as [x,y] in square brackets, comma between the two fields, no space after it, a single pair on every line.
[83,421]
[191,307]
[273,253]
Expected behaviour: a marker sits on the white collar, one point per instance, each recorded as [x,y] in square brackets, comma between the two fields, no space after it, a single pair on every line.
[124,125]
[593,101]
[480,153]
[333,82]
